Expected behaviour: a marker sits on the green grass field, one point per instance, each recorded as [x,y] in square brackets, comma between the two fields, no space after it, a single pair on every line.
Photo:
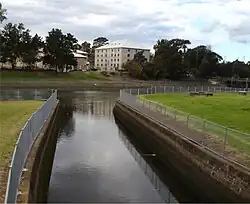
[13,116]
[226,109]
[231,110]
[50,76]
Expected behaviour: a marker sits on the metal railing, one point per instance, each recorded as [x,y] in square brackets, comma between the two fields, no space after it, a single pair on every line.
[24,94]
[223,140]
[24,143]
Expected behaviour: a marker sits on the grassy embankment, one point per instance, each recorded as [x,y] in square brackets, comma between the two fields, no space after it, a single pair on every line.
[13,116]
[231,110]
[26,76]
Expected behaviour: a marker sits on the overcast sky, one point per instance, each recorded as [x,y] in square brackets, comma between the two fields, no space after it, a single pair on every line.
[223,24]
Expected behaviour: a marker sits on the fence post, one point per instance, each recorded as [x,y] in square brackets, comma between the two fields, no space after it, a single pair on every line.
[18,94]
[208,89]
[130,91]
[35,94]
[225,139]
[173,89]
[195,89]
[175,114]
[188,88]
[164,89]
[155,90]
[188,119]
[204,126]
[166,113]
[147,91]
[180,89]
[138,91]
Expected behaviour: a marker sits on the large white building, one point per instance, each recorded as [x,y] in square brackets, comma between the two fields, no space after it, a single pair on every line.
[112,56]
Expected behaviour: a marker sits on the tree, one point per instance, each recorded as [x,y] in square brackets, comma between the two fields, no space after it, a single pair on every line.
[86,47]
[98,42]
[30,47]
[58,50]
[169,58]
[11,43]
[202,61]
[3,12]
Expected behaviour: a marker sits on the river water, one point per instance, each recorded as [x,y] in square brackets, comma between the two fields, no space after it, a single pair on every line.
[94,161]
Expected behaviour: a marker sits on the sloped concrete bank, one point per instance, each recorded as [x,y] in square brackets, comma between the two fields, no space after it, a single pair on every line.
[35,182]
[211,178]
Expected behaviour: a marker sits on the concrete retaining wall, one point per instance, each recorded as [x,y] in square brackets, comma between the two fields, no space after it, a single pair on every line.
[212,178]
[35,182]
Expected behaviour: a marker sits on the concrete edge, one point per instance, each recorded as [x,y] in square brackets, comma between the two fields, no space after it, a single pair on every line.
[225,163]
[24,187]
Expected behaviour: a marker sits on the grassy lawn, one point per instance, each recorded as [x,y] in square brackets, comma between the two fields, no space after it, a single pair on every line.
[226,109]
[13,116]
[50,76]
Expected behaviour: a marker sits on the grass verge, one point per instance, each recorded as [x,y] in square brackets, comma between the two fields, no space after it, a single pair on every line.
[51,76]
[226,109]
[13,116]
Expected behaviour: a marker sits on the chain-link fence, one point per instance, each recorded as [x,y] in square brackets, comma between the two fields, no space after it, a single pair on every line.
[226,141]
[24,94]
[24,143]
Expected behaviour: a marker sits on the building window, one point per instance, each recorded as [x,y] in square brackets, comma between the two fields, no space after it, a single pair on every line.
[97,65]
[111,65]
[101,60]
[112,50]
[105,65]
[114,59]
[114,54]
[105,68]
[111,60]
[111,55]
[135,50]
[118,50]
[118,60]
[128,55]
[97,55]
[102,50]
[97,60]
[117,65]
[101,65]
[105,55]
[128,50]
[118,55]
[101,55]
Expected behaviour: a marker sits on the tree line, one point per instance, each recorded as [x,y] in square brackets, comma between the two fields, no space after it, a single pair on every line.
[174,60]
[55,51]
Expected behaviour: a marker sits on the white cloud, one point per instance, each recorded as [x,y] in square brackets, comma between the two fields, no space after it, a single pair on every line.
[201,21]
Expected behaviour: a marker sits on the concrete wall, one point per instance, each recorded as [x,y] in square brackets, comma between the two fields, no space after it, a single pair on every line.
[35,182]
[211,178]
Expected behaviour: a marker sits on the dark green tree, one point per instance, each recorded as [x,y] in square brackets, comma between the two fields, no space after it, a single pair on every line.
[169,58]
[86,47]
[11,43]
[98,42]
[30,48]
[58,50]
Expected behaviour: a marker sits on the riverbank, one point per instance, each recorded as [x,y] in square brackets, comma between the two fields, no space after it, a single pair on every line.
[198,167]
[13,116]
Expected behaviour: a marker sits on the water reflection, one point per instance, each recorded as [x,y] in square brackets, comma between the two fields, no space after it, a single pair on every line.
[91,162]
[156,181]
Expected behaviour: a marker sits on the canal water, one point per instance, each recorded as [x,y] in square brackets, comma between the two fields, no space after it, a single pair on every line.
[94,160]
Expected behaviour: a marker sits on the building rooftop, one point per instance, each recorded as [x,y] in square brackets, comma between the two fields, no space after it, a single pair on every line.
[77,55]
[121,44]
